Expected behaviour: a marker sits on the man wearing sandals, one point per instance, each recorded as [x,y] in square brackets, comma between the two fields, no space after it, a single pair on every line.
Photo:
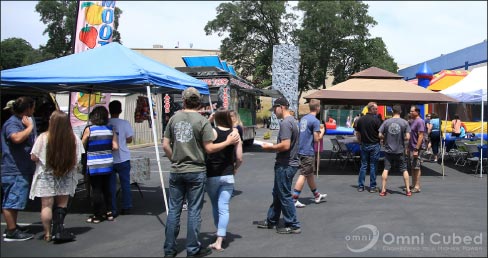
[415,146]
[394,132]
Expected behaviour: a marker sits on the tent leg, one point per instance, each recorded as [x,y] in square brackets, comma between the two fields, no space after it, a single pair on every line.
[151,112]
[443,142]
[482,137]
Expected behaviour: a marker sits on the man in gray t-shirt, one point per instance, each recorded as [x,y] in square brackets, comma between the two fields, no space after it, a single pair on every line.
[188,136]
[394,132]
[285,169]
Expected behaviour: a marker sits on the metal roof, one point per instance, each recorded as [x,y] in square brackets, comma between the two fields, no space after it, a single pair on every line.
[464,58]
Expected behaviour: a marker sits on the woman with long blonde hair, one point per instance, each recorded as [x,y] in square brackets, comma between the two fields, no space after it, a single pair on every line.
[56,153]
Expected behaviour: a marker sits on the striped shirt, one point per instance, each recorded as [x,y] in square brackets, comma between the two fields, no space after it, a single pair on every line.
[99,150]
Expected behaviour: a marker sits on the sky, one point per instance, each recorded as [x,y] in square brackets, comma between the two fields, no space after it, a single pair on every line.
[413,32]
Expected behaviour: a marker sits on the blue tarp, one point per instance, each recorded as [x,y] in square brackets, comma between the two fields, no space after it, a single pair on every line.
[195,61]
[226,68]
[111,68]
[231,70]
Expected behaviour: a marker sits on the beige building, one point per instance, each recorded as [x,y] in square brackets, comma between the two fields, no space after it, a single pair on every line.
[173,56]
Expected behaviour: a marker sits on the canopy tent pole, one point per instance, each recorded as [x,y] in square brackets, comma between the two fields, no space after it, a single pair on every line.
[211,108]
[151,112]
[482,137]
[443,142]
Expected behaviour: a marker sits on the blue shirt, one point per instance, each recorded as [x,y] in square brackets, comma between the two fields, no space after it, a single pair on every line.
[16,158]
[308,125]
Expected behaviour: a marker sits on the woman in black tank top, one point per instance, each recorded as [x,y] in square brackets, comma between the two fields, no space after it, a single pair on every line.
[221,167]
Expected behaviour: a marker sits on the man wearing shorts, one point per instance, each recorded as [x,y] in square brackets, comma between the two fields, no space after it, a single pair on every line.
[310,132]
[415,146]
[394,132]
[18,136]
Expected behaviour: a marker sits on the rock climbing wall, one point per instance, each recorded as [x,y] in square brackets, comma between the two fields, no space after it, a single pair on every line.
[286,60]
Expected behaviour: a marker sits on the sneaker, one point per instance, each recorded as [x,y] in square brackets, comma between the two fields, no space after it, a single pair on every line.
[298,204]
[373,190]
[288,230]
[360,189]
[204,251]
[320,198]
[265,224]
[23,229]
[185,206]
[17,235]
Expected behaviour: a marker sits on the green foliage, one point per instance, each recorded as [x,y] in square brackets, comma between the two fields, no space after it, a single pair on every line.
[356,56]
[60,18]
[16,52]
[333,39]
[327,27]
[13,51]
[251,29]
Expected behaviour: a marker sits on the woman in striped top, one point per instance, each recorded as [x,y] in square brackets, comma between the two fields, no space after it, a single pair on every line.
[99,141]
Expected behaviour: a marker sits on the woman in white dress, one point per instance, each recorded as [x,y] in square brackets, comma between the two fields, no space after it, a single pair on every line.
[57,153]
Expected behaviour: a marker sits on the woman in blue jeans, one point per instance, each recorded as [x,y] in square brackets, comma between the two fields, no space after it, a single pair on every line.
[221,167]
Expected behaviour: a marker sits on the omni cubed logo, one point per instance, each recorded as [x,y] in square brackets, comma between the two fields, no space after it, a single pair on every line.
[366,237]
[362,238]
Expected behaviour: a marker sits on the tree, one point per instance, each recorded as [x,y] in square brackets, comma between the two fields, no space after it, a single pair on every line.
[60,18]
[327,26]
[355,56]
[252,28]
[16,52]
[13,51]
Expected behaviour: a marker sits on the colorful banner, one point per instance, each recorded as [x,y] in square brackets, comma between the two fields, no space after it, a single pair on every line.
[94,28]
[83,103]
[95,24]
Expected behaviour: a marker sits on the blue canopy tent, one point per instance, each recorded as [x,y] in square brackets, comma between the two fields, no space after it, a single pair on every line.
[111,68]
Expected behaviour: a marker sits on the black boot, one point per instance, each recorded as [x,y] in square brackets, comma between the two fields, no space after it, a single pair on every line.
[59,233]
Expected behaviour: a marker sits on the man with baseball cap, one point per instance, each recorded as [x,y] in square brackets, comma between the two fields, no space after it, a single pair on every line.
[286,166]
[188,136]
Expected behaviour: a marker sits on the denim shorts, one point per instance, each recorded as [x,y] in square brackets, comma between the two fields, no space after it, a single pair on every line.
[15,191]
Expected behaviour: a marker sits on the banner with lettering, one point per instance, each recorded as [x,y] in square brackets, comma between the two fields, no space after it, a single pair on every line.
[94,28]
[95,24]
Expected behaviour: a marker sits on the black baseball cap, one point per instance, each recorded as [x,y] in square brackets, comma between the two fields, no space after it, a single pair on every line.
[279,102]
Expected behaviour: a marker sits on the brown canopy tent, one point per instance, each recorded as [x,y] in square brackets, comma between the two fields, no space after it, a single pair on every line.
[383,87]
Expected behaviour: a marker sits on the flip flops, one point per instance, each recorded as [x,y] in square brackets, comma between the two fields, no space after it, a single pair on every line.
[93,219]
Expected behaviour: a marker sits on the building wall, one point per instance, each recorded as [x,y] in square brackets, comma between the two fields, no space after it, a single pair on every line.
[464,59]
[172,56]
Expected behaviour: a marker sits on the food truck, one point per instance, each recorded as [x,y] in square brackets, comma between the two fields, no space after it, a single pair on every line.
[226,90]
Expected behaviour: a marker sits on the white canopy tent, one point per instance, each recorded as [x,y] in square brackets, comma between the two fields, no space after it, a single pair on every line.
[471,89]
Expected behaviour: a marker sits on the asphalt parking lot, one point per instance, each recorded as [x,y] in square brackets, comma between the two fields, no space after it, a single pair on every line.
[448,218]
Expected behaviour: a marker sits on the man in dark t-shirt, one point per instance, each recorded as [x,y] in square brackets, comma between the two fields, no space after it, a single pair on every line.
[395,132]
[367,135]
[285,168]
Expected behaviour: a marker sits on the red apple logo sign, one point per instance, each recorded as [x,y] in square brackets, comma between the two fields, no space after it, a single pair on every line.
[88,35]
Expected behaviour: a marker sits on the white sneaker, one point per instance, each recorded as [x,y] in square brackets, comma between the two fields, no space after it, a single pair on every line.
[298,204]
[320,198]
